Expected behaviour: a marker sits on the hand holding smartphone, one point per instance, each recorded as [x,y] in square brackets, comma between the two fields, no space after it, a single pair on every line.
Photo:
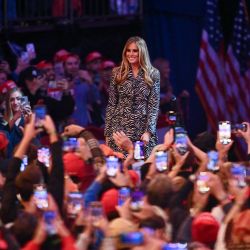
[239,174]
[70,144]
[40,114]
[136,200]
[181,140]
[161,161]
[75,203]
[30,48]
[139,150]
[213,158]
[43,155]
[95,211]
[41,196]
[49,217]
[224,132]
[202,182]
[113,165]
[24,163]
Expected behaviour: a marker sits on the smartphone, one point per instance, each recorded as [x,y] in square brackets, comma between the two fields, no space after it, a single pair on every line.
[70,144]
[213,158]
[24,163]
[52,85]
[175,246]
[239,126]
[30,47]
[124,194]
[113,165]
[43,155]
[75,203]
[25,57]
[95,211]
[41,196]
[131,239]
[171,117]
[49,217]
[181,140]
[161,161]
[239,173]
[139,150]
[24,101]
[202,182]
[224,132]
[136,200]
[40,113]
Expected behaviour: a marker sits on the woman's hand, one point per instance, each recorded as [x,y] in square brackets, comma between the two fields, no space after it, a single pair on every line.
[145,137]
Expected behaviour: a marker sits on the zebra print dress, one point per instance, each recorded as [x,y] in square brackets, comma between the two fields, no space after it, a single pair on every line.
[133,108]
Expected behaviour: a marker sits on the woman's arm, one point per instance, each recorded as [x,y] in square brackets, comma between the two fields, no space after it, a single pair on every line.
[153,103]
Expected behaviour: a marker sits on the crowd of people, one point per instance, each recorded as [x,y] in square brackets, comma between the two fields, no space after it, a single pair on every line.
[62,189]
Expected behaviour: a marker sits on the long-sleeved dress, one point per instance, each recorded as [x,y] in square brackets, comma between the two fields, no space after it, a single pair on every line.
[133,108]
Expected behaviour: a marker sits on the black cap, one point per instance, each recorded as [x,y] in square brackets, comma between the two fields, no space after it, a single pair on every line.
[30,73]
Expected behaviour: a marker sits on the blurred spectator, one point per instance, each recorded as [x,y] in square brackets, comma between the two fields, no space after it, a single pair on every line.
[4,66]
[79,170]
[93,63]
[34,85]
[59,58]
[166,89]
[105,75]
[85,92]
[3,77]
[15,117]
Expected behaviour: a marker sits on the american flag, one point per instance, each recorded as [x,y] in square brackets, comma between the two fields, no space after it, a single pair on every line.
[211,78]
[238,68]
[223,79]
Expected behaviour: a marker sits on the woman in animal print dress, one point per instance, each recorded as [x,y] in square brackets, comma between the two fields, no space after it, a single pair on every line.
[134,96]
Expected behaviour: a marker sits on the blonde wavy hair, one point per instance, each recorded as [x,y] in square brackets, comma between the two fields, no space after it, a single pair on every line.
[8,116]
[144,61]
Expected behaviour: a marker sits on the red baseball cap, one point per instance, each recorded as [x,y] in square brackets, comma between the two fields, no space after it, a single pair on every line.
[109,200]
[43,64]
[205,228]
[93,56]
[5,87]
[107,64]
